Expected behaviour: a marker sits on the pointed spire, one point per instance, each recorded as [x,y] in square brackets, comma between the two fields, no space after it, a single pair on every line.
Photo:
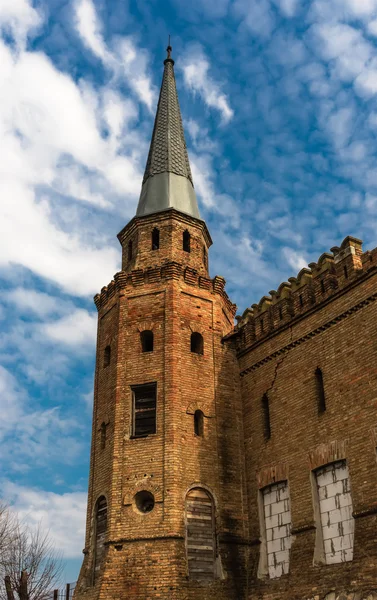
[167,181]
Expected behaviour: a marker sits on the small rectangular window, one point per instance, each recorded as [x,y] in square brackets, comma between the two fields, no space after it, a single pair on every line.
[144,410]
[266,417]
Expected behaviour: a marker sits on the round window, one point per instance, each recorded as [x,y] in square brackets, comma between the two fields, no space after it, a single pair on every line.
[144,501]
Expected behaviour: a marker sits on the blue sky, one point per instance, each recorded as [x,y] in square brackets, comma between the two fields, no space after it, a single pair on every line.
[279,105]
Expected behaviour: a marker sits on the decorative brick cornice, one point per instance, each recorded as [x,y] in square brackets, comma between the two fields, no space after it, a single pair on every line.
[309,335]
[170,270]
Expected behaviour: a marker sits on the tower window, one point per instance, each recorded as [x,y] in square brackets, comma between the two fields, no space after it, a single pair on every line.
[322,286]
[103,435]
[199,423]
[130,250]
[197,343]
[345,271]
[100,534]
[320,390]
[266,417]
[144,410]
[186,241]
[301,300]
[107,356]
[155,239]
[200,535]
[205,257]
[146,338]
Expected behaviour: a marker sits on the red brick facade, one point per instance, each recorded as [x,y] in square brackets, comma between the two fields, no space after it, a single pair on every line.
[326,319]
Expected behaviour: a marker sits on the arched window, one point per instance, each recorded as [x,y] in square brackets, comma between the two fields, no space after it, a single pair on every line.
[186,241]
[266,417]
[130,250]
[199,423]
[320,390]
[155,239]
[146,338]
[107,356]
[100,534]
[197,343]
[200,535]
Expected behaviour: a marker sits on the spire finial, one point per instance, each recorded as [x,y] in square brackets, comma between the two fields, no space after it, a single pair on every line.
[168,50]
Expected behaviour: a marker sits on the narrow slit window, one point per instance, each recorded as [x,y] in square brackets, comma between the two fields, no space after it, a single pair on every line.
[200,535]
[345,272]
[205,257]
[130,250]
[199,423]
[186,241]
[197,343]
[146,338]
[155,239]
[322,286]
[103,435]
[100,534]
[144,413]
[320,390]
[266,417]
[107,356]
[301,300]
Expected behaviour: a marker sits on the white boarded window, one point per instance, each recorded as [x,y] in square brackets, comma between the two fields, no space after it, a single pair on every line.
[277,518]
[200,535]
[335,506]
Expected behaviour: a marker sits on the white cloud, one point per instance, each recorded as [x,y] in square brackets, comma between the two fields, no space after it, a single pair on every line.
[257,16]
[197,78]
[294,258]
[287,7]
[126,60]
[32,301]
[18,17]
[61,515]
[76,329]
[90,30]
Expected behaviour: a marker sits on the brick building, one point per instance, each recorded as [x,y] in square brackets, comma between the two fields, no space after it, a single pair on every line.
[236,462]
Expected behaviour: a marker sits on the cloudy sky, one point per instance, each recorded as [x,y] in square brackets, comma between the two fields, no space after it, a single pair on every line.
[279,105]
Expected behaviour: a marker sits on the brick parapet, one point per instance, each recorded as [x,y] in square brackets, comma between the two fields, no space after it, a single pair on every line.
[312,289]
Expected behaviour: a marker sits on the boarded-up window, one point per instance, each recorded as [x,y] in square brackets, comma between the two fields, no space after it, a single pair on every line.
[335,505]
[144,410]
[100,533]
[200,535]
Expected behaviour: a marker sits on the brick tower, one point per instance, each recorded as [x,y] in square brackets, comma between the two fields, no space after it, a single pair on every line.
[166,488]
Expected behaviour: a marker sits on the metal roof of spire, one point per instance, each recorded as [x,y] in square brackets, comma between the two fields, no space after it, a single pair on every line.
[167,181]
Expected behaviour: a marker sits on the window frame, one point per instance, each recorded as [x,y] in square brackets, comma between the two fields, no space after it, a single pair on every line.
[146,336]
[197,341]
[134,390]
[186,241]
[155,238]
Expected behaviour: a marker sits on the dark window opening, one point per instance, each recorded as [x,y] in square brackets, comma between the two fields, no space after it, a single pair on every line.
[155,239]
[345,272]
[197,343]
[100,534]
[266,417]
[144,413]
[320,390]
[103,435]
[322,286]
[146,338]
[200,535]
[301,300]
[130,250]
[144,501]
[205,257]
[199,423]
[186,241]
[107,356]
